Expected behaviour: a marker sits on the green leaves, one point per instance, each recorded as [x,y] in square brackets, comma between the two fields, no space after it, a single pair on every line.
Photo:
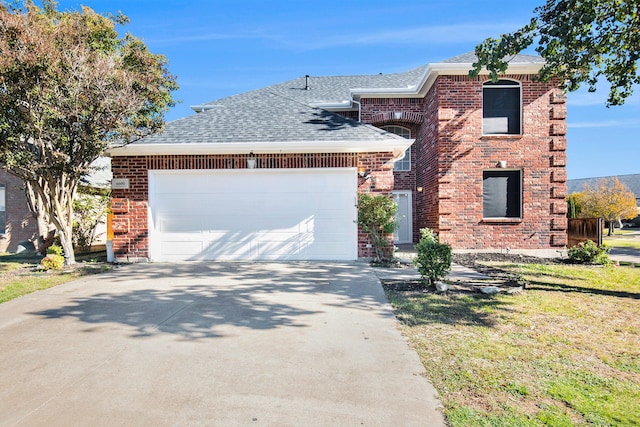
[582,41]
[69,85]
[376,216]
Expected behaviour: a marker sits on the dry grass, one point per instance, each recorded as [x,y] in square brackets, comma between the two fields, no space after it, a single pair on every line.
[564,352]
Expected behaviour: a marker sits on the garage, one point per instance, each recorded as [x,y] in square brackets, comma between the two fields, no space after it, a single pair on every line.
[253,214]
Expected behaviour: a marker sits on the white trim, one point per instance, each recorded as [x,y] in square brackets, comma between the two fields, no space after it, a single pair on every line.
[407,152]
[395,145]
[430,75]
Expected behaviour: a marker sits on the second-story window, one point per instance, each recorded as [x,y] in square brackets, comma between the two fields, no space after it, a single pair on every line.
[404,164]
[501,108]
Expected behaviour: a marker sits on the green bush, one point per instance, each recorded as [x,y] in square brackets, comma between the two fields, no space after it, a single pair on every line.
[52,262]
[55,250]
[376,216]
[589,253]
[434,258]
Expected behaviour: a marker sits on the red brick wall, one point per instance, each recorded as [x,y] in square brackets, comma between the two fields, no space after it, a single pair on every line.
[408,113]
[130,207]
[463,154]
[20,223]
[428,174]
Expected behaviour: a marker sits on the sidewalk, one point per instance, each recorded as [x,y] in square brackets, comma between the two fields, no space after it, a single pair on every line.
[625,255]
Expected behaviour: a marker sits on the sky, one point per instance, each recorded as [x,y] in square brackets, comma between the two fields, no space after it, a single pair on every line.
[219,48]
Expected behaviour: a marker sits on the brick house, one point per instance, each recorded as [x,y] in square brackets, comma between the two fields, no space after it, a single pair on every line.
[17,223]
[274,173]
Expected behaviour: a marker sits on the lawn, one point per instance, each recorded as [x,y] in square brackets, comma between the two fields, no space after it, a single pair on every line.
[623,239]
[564,352]
[19,275]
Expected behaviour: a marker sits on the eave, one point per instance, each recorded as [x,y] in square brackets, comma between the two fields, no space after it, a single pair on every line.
[396,145]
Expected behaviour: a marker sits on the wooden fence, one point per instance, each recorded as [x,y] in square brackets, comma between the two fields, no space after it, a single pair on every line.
[583,229]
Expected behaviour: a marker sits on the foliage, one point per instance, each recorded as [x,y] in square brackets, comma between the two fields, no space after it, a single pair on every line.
[433,258]
[581,42]
[69,87]
[55,250]
[89,211]
[52,262]
[608,199]
[589,253]
[574,206]
[376,216]
[537,358]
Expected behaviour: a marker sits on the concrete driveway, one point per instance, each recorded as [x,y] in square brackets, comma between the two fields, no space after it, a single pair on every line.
[211,344]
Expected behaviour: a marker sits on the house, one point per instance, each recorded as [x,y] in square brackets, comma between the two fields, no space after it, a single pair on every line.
[17,223]
[273,174]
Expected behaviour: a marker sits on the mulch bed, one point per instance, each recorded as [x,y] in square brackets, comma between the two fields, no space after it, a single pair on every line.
[497,277]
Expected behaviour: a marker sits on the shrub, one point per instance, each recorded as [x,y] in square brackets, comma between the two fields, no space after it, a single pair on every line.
[55,250]
[52,262]
[589,253]
[434,258]
[376,216]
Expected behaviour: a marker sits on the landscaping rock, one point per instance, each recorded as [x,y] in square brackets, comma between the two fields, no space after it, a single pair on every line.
[490,290]
[442,287]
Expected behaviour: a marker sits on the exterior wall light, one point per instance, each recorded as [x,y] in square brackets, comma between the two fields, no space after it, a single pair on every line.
[251,161]
[362,171]
[419,189]
[502,164]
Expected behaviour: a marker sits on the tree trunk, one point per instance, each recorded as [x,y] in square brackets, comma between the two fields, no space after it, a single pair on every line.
[44,230]
[66,241]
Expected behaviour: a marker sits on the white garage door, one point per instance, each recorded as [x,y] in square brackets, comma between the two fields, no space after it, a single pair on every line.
[250,214]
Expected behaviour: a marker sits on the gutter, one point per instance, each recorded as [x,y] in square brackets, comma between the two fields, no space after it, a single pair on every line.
[395,145]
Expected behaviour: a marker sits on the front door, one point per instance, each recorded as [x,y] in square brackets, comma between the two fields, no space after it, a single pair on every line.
[404,233]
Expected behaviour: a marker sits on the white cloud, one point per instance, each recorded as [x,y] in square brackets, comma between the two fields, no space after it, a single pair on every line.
[430,35]
[630,123]
[419,36]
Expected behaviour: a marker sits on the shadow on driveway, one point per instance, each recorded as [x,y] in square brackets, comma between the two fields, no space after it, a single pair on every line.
[196,300]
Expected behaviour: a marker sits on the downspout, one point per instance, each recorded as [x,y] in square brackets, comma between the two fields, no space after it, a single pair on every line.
[359,109]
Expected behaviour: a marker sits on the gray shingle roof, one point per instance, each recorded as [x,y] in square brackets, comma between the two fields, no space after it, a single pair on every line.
[288,112]
[470,58]
[632,181]
[264,115]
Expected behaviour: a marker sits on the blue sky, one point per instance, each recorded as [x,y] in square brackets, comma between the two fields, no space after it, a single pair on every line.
[219,48]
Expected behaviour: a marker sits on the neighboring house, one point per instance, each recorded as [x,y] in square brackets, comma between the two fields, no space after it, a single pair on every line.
[17,223]
[482,163]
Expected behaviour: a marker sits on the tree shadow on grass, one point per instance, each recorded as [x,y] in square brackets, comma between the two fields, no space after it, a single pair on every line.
[540,285]
[428,308]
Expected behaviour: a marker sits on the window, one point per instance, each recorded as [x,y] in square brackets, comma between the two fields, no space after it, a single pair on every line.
[3,210]
[501,108]
[404,164]
[502,194]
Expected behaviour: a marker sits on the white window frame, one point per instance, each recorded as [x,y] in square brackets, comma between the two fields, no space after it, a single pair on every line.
[403,164]
[515,84]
